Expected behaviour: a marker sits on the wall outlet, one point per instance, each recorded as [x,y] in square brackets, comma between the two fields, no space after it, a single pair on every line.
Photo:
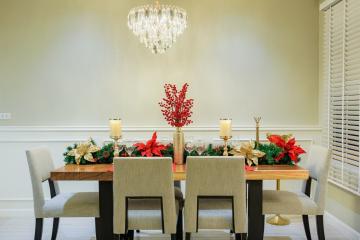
[5,116]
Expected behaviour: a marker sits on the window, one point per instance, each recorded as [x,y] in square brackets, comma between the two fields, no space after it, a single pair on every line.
[341,91]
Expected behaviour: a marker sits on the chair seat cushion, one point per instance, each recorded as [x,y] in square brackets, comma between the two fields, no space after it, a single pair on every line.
[285,202]
[145,214]
[215,214]
[82,204]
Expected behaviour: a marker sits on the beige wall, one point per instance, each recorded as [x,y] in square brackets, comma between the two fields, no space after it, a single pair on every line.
[74,62]
[344,205]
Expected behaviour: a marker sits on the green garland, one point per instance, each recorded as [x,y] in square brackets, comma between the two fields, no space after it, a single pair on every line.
[210,151]
[271,152]
[106,154]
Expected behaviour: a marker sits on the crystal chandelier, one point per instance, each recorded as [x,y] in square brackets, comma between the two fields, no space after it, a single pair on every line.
[157,25]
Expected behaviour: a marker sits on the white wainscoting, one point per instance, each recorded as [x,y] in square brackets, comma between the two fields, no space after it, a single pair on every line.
[15,185]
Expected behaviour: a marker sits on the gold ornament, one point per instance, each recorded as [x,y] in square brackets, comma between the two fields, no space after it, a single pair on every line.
[247,150]
[84,150]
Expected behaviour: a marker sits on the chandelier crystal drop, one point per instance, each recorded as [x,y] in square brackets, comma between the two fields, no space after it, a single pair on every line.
[157,25]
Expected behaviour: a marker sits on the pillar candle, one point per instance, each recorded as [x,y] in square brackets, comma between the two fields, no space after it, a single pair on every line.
[115,128]
[225,128]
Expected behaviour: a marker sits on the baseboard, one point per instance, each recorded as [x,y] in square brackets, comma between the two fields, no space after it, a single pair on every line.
[342,224]
[16,207]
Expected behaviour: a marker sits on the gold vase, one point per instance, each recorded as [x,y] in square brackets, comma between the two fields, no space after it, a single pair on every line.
[178,146]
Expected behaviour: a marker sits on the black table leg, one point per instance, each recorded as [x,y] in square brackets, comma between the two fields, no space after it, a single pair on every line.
[256,218]
[106,210]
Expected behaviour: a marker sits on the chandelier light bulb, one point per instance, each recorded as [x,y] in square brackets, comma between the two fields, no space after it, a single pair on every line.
[157,25]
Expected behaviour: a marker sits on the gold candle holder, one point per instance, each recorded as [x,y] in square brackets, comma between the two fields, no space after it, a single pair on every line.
[226,139]
[116,146]
[257,121]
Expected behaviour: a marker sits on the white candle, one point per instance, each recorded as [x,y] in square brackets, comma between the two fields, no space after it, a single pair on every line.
[115,128]
[225,128]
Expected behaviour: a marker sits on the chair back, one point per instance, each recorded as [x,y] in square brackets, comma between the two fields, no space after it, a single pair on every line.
[318,164]
[40,165]
[215,177]
[143,177]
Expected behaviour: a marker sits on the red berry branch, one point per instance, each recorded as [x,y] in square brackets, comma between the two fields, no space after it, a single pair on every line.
[175,107]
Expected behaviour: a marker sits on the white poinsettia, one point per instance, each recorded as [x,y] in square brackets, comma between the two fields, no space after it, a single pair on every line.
[247,150]
[85,150]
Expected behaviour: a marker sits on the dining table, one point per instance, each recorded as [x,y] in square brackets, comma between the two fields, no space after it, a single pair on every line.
[103,174]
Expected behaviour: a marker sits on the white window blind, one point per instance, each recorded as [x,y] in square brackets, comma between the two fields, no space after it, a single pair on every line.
[341,91]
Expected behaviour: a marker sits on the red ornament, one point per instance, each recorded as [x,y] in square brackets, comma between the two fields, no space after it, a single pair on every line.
[289,148]
[175,107]
[151,148]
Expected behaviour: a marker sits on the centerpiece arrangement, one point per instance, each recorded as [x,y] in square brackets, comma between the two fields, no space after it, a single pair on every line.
[177,112]
[176,108]
[279,150]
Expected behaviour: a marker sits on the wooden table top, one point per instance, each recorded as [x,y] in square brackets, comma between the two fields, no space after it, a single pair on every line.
[104,172]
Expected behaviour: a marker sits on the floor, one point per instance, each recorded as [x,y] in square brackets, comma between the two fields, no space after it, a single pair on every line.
[83,229]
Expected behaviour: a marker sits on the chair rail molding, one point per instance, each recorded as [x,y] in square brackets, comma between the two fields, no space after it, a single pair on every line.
[65,134]
[145,128]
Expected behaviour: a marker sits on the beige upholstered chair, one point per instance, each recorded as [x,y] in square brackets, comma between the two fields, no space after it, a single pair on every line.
[285,202]
[144,197]
[85,204]
[215,195]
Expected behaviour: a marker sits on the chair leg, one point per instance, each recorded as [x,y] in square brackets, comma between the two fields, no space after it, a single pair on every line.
[240,236]
[138,231]
[179,226]
[123,237]
[187,236]
[173,236]
[320,227]
[98,228]
[55,228]
[305,219]
[38,228]
[130,235]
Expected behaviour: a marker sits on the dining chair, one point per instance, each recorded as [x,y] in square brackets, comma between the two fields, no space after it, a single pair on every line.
[144,197]
[216,195]
[292,203]
[81,204]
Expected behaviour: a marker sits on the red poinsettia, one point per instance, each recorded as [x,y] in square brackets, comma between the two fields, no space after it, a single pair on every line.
[175,107]
[288,146]
[151,148]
